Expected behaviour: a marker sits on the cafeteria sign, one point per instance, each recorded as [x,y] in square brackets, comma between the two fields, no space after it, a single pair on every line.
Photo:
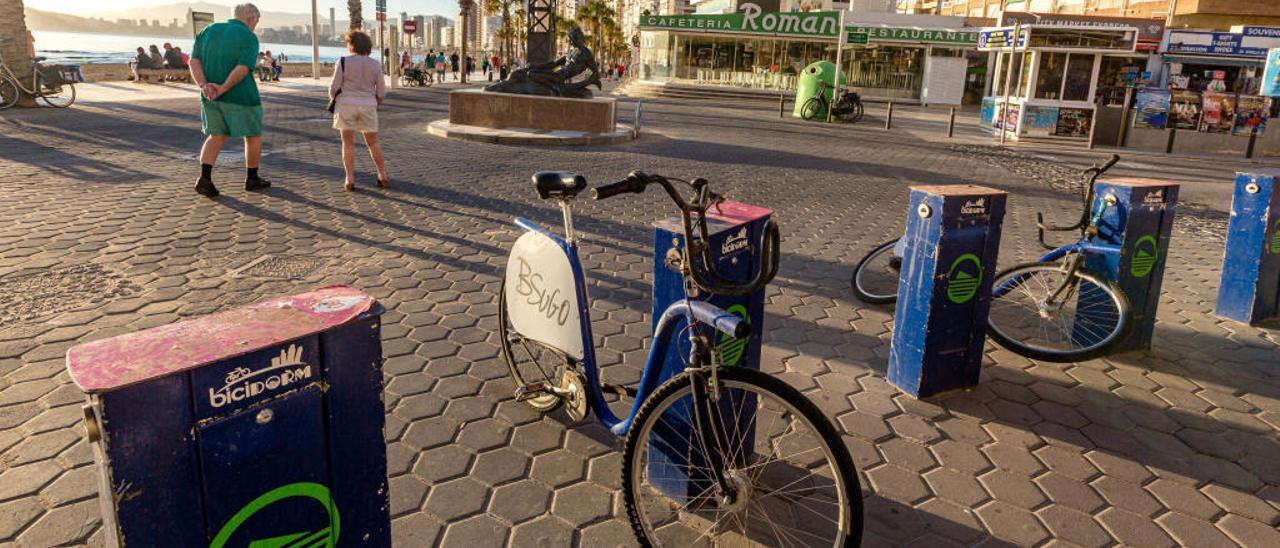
[818,24]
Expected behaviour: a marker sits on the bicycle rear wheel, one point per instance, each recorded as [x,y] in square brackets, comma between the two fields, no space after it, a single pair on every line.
[9,92]
[60,96]
[529,361]
[794,482]
[1088,318]
[875,279]
[812,108]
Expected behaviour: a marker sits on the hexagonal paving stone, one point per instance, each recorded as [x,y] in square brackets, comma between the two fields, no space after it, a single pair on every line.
[456,499]
[415,530]
[558,468]
[476,532]
[520,501]
[1011,523]
[583,503]
[546,531]
[500,466]
[898,483]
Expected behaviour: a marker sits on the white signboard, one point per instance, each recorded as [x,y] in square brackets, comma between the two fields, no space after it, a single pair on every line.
[542,298]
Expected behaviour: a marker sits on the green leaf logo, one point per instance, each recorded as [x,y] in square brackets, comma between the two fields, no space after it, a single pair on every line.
[963,278]
[1145,254]
[1275,240]
[325,537]
[731,348]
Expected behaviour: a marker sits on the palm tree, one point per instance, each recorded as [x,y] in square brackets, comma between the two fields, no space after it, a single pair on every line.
[13,25]
[503,7]
[353,13]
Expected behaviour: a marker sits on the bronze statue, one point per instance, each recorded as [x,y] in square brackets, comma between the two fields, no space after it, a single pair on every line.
[568,76]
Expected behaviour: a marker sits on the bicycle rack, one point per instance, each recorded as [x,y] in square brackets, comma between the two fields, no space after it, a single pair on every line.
[1250,288]
[1139,223]
[944,293]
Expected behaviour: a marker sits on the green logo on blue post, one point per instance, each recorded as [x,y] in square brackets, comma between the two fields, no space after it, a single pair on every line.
[1145,254]
[325,537]
[731,348]
[1274,248]
[963,278]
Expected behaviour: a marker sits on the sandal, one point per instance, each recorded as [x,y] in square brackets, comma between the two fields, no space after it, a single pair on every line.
[384,183]
[349,187]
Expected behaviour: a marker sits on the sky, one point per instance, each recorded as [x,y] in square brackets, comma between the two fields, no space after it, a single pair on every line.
[394,7]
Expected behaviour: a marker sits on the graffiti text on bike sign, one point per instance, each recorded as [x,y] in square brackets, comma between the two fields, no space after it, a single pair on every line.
[551,304]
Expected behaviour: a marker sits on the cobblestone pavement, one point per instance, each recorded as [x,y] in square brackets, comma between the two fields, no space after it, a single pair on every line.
[102,235]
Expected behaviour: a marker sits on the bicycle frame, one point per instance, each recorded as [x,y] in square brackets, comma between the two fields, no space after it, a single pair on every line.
[539,252]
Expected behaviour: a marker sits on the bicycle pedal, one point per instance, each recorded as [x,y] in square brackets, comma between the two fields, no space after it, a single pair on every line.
[530,391]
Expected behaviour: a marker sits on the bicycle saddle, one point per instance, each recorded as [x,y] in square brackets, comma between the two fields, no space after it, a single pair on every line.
[558,184]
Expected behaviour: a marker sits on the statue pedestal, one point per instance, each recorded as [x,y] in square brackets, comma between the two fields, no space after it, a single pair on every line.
[475,107]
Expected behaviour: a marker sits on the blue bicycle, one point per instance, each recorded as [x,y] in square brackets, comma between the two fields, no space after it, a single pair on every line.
[714,455]
[1053,309]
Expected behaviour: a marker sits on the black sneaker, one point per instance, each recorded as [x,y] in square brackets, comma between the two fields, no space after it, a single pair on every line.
[205,188]
[256,183]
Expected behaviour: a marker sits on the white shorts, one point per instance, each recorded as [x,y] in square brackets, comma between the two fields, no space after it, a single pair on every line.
[362,118]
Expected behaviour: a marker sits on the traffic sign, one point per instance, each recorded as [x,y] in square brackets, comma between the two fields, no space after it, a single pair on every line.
[410,27]
[382,16]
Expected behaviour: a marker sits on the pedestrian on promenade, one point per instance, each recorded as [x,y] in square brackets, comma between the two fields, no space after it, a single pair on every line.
[221,59]
[358,88]
[453,64]
[440,66]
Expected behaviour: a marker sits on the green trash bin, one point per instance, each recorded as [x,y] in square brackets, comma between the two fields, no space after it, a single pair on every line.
[807,86]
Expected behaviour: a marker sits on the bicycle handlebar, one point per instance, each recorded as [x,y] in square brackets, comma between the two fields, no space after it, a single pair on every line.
[1092,173]
[705,275]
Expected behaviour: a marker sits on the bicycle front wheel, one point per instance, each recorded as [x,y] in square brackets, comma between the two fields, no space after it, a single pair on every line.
[812,108]
[792,481]
[1041,313]
[60,96]
[9,92]
[875,279]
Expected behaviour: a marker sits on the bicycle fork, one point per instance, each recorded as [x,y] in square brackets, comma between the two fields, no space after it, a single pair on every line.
[711,437]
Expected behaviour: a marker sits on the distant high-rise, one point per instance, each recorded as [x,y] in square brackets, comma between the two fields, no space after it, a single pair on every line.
[333,23]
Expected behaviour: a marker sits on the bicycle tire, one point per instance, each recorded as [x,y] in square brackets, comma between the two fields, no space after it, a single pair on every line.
[859,286]
[858,111]
[9,92]
[544,403]
[68,91]
[812,107]
[840,460]
[1114,335]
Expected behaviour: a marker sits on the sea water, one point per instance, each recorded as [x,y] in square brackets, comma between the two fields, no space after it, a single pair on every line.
[85,48]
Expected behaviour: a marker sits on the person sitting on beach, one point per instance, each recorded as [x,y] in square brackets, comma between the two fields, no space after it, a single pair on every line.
[157,59]
[140,61]
[173,57]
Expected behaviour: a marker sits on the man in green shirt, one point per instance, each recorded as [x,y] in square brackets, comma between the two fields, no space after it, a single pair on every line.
[224,53]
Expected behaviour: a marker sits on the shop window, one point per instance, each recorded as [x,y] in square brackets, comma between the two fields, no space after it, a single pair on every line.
[1079,76]
[1024,74]
[937,51]
[1053,66]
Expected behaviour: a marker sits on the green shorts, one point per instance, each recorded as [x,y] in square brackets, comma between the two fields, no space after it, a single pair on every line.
[219,118]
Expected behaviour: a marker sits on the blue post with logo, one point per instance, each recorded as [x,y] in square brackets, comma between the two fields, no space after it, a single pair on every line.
[1138,219]
[734,230]
[1250,288]
[944,290]
[260,426]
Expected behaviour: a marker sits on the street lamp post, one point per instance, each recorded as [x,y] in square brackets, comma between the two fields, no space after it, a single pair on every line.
[464,14]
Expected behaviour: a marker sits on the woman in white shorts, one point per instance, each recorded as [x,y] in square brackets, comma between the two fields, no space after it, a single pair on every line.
[359,87]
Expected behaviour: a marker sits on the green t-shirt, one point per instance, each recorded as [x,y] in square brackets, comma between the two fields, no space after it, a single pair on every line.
[222,47]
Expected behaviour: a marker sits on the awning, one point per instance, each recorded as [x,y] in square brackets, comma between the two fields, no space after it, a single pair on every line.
[1214,60]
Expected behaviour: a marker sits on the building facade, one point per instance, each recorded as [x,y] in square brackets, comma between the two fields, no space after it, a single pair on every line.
[1208,14]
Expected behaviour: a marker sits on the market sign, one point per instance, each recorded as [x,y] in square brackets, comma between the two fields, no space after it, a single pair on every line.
[914,35]
[1000,38]
[1212,43]
[818,24]
[1150,31]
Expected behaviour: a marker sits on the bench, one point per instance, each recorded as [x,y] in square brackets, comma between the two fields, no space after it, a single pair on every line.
[160,75]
